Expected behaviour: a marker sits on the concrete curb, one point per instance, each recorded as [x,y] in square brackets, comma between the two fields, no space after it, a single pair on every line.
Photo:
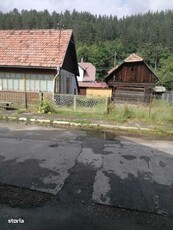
[77,124]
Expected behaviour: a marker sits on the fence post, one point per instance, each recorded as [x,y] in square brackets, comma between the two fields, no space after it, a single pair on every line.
[74,103]
[41,97]
[107,104]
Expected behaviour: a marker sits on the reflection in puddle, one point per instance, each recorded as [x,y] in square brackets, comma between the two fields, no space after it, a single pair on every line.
[100,134]
[112,135]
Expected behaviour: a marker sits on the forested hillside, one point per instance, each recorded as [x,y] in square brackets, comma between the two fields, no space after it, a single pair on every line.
[106,40]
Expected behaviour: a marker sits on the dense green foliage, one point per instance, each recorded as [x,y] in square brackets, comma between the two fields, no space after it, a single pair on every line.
[107,40]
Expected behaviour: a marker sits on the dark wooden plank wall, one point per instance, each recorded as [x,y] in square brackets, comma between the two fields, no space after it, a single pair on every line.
[132,82]
[134,72]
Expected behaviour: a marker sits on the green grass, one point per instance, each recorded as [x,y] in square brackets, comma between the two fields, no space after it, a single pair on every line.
[161,113]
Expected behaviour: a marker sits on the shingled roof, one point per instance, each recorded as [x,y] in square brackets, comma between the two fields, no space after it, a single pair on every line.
[130,59]
[90,71]
[33,48]
[133,58]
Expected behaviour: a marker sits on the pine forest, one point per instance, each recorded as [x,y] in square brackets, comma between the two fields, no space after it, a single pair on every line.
[106,41]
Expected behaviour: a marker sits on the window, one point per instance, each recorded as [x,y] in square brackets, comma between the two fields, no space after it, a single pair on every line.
[37,86]
[10,84]
[50,86]
[4,84]
[32,85]
[28,85]
[21,85]
[0,84]
[43,86]
[28,82]
[15,84]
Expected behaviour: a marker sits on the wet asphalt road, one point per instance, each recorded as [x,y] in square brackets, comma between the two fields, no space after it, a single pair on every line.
[58,178]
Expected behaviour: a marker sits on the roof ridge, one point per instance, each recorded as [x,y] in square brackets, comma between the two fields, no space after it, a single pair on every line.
[133,58]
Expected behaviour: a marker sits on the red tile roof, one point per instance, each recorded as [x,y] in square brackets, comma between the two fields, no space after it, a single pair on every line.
[33,48]
[133,58]
[93,84]
[90,71]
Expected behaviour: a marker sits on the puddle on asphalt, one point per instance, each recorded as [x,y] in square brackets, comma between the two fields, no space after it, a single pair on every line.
[129,157]
[112,135]
[95,133]
[100,134]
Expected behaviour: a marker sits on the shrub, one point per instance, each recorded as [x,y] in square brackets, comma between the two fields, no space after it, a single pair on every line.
[46,107]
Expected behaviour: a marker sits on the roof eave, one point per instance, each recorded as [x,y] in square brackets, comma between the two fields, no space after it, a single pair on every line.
[116,69]
[28,67]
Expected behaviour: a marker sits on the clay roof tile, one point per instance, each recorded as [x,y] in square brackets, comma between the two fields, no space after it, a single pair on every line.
[37,48]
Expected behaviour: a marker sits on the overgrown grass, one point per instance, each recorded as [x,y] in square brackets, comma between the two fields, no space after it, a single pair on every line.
[161,113]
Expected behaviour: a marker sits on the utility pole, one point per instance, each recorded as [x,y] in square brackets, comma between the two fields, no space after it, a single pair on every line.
[115,58]
[155,68]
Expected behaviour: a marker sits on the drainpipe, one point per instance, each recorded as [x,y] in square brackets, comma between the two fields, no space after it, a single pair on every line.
[57,74]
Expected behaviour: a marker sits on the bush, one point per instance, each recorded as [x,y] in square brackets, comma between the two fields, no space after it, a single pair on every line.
[46,107]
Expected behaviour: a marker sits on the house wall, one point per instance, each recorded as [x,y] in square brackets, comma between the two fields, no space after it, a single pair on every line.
[70,63]
[89,71]
[81,74]
[135,73]
[16,85]
[132,82]
[68,83]
[99,92]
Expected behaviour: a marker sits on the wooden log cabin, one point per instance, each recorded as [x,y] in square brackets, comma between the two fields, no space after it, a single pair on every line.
[132,81]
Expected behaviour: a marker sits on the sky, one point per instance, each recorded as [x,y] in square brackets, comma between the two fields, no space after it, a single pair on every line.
[118,8]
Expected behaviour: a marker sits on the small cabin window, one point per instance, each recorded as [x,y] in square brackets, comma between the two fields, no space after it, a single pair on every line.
[132,69]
